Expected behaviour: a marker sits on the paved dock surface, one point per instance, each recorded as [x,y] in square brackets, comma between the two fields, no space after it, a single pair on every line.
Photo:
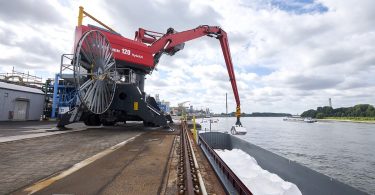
[13,128]
[143,161]
[136,168]
[13,131]
[29,160]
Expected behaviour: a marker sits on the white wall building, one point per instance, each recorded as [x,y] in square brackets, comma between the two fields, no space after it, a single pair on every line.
[20,103]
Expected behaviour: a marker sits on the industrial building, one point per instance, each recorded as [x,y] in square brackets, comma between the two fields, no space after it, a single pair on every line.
[20,103]
[163,105]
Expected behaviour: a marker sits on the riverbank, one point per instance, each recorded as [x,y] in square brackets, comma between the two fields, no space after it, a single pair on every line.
[351,119]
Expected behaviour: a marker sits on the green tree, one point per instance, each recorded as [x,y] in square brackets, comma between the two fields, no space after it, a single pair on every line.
[327,110]
[360,110]
[369,111]
[320,115]
[309,113]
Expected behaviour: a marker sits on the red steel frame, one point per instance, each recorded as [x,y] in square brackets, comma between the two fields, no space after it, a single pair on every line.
[148,46]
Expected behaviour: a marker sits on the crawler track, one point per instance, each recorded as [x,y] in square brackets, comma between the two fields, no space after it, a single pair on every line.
[188,182]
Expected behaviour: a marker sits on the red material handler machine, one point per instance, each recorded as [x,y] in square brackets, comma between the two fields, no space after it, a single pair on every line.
[109,72]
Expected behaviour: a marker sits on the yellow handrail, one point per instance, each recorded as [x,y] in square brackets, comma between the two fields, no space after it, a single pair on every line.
[195,133]
[82,13]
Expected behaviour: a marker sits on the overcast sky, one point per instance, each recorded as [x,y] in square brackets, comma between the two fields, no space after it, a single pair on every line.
[289,56]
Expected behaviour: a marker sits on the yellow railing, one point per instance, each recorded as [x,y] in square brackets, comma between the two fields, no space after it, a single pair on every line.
[195,133]
[82,14]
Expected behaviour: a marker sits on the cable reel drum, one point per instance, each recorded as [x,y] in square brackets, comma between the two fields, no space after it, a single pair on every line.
[95,71]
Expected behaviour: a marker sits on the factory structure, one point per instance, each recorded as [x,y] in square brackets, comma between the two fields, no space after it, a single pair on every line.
[163,105]
[20,97]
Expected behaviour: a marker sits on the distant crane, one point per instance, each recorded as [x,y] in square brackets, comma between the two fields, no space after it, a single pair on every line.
[226,104]
[182,103]
[181,107]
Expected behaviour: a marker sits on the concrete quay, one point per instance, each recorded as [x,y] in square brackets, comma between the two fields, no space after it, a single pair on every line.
[123,159]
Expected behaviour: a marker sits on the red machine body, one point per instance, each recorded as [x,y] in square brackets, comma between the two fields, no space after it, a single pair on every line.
[124,49]
[144,51]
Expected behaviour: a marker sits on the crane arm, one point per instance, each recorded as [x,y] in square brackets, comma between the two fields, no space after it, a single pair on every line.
[173,41]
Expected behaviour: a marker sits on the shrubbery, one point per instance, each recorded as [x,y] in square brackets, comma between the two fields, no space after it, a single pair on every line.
[360,110]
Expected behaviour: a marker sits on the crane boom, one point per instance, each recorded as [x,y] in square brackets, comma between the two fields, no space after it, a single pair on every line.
[173,41]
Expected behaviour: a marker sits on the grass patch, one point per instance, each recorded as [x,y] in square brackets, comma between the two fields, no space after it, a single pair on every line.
[352,118]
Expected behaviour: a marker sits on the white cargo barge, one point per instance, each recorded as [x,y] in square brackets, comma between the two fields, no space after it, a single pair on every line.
[297,118]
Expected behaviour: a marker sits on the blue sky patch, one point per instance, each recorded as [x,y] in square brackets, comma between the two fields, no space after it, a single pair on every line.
[299,6]
[259,70]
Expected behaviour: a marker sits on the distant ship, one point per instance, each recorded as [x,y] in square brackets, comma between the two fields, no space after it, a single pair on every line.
[293,118]
[309,120]
[298,118]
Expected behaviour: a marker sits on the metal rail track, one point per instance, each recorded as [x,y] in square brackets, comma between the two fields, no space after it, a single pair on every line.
[188,181]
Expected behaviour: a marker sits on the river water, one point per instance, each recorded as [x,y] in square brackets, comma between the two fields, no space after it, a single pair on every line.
[342,150]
